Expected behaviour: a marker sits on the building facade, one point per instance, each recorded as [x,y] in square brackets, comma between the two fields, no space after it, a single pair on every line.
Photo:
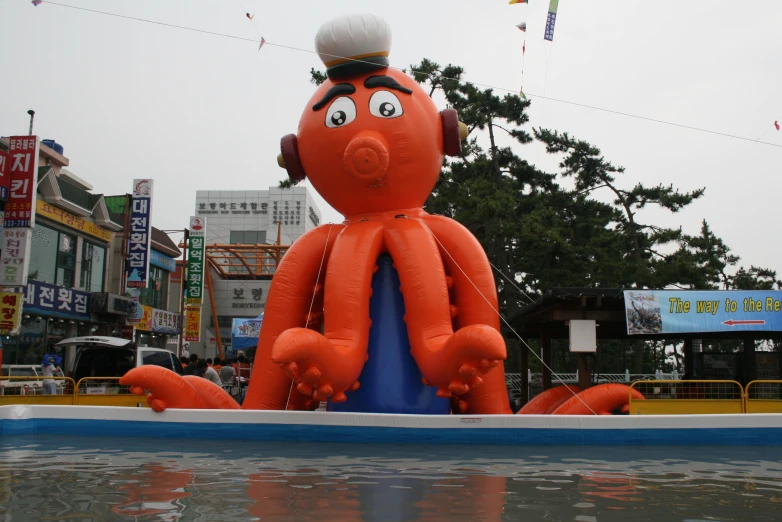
[75,261]
[246,217]
[69,259]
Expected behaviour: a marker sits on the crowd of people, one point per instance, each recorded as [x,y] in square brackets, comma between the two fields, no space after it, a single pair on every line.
[232,375]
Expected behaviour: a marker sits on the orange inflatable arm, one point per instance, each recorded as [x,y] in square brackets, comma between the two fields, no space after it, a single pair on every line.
[475,300]
[548,401]
[213,395]
[161,382]
[289,301]
[602,399]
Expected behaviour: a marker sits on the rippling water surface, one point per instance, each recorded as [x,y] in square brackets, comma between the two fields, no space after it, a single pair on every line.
[91,479]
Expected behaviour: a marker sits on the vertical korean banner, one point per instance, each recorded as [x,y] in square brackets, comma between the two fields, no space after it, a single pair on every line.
[23,169]
[11,304]
[15,256]
[139,237]
[196,262]
[193,324]
[551,20]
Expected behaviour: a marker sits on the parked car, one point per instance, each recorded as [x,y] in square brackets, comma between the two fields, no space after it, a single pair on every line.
[21,386]
[98,356]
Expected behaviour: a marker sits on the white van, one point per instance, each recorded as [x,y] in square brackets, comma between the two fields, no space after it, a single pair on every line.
[99,356]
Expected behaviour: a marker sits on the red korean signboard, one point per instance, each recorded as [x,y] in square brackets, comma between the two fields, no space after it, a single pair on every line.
[23,169]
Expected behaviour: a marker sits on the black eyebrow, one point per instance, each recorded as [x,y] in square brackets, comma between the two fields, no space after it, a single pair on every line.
[340,88]
[385,81]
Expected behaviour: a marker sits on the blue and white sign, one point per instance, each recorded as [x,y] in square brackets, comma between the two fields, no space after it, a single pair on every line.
[57,301]
[692,311]
[162,261]
[139,236]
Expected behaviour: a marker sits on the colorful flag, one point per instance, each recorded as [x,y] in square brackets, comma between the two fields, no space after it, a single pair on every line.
[522,26]
[517,2]
[776,124]
[37,2]
[551,19]
[263,41]
[521,94]
[249,16]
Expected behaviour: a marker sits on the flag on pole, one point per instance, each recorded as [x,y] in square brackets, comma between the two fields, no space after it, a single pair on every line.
[551,19]
[522,26]
[263,41]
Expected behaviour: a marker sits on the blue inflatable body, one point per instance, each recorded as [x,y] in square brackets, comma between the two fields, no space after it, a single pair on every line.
[390,381]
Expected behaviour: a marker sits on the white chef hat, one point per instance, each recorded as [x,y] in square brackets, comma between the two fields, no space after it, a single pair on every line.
[353,44]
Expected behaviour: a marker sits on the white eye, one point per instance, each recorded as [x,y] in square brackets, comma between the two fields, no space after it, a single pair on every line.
[384,104]
[340,113]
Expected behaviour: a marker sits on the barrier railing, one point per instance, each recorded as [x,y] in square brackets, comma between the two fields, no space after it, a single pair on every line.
[33,390]
[670,397]
[106,391]
[763,397]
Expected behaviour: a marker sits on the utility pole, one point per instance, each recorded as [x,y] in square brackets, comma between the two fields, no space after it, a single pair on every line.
[32,116]
[182,293]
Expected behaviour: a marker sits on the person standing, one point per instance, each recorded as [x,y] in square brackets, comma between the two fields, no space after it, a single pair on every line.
[208,372]
[50,370]
[192,368]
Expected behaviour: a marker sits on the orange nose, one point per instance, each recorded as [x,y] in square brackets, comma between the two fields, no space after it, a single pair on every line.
[366,158]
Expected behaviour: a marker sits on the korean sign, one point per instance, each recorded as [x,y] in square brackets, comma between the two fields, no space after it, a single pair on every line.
[23,169]
[683,311]
[158,321]
[139,236]
[10,311]
[15,256]
[196,261]
[161,260]
[5,175]
[193,324]
[69,220]
[55,300]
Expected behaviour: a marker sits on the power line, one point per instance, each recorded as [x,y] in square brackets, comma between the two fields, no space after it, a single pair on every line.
[542,97]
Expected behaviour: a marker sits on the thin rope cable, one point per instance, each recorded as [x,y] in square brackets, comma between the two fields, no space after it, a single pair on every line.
[532,301]
[312,303]
[555,374]
[505,89]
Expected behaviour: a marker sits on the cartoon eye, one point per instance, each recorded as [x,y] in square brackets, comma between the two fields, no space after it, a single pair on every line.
[384,104]
[340,113]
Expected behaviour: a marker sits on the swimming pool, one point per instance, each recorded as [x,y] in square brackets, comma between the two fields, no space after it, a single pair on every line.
[54,477]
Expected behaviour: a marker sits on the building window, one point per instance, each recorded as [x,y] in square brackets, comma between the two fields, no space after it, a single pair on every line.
[248,237]
[154,294]
[52,256]
[93,265]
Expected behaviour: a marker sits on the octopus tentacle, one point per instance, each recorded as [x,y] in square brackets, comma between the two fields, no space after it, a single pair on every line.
[287,306]
[475,299]
[449,361]
[330,364]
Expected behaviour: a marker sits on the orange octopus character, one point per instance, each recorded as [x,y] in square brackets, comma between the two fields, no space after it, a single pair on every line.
[371,142]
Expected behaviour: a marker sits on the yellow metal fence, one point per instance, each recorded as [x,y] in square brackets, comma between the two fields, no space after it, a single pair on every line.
[693,397]
[90,391]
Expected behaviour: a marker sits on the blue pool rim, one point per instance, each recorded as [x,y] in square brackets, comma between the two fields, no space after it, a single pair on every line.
[733,430]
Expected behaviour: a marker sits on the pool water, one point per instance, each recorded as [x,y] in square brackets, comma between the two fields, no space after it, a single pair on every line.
[138,479]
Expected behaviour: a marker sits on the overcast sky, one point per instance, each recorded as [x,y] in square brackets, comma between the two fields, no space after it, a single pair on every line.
[198,112]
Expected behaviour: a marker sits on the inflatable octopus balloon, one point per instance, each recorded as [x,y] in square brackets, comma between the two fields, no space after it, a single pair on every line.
[372,142]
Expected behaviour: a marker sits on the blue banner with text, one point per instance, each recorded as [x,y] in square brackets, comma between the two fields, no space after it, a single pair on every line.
[693,311]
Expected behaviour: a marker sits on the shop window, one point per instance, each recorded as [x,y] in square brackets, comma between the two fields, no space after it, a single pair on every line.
[154,294]
[43,254]
[52,256]
[93,265]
